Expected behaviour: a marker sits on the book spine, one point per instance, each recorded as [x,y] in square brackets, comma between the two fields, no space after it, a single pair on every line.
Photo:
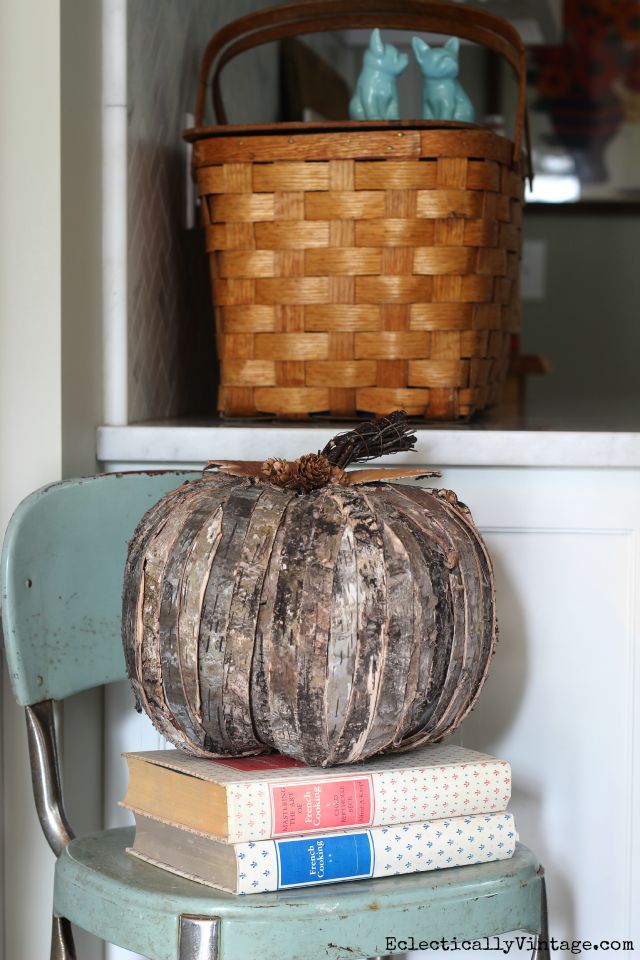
[283,807]
[269,865]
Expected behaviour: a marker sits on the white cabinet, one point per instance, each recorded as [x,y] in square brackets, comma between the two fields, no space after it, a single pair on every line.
[562,699]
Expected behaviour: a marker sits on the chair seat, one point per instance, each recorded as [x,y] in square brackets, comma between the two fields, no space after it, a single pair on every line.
[103,889]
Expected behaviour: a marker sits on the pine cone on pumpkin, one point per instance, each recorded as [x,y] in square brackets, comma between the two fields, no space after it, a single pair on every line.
[282,473]
[314,471]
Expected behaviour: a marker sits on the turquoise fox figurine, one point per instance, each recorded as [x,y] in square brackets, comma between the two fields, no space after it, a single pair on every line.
[442,96]
[376,94]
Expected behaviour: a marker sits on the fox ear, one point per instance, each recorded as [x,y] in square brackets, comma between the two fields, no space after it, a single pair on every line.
[376,44]
[453,44]
[419,47]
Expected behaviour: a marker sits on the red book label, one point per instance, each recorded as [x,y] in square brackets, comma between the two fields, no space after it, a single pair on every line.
[305,805]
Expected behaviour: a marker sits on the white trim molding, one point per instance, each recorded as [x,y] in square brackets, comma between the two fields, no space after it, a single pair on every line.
[114,211]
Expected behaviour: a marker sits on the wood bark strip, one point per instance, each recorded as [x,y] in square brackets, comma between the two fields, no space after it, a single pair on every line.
[434,621]
[343,635]
[371,605]
[451,641]
[282,636]
[435,642]
[422,644]
[433,618]
[315,626]
[192,591]
[158,718]
[460,683]
[132,587]
[134,606]
[386,474]
[157,556]
[218,595]
[452,662]
[197,511]
[400,626]
[154,652]
[266,517]
[194,557]
[464,683]
[260,666]
[485,613]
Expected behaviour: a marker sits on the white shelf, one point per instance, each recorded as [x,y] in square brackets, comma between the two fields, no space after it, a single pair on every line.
[189,444]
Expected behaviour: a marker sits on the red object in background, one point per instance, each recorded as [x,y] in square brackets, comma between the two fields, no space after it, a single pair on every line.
[632,72]
[579,81]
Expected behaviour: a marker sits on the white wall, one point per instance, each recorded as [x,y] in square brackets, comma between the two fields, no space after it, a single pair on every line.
[50,389]
[587,324]
[30,398]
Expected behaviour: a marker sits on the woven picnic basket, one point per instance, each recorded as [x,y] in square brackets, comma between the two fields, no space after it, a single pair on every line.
[361,266]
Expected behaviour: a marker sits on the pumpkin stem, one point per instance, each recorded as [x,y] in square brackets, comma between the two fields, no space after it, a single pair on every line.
[369,440]
[372,439]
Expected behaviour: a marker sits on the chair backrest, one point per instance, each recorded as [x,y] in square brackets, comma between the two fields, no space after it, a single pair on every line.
[61,576]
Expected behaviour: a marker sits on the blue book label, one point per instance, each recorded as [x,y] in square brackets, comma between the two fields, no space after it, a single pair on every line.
[324,859]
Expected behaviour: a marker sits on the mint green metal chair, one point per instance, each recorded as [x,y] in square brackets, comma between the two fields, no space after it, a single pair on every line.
[62,567]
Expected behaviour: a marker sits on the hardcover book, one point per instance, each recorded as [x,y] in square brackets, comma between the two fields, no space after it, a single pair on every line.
[266,865]
[271,796]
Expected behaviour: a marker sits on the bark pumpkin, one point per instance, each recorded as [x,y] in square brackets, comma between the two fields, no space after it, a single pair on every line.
[330,625]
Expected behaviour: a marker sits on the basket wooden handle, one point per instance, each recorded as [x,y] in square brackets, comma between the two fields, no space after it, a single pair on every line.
[317,16]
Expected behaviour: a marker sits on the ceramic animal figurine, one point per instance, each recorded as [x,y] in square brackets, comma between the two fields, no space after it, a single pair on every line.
[376,95]
[442,96]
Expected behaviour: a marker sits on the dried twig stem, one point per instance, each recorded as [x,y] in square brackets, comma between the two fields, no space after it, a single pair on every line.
[370,440]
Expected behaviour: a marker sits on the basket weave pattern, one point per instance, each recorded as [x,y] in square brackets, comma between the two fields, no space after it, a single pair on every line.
[362,271]
[361,267]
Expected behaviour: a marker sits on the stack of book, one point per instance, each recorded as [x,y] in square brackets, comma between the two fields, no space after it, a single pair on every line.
[268,823]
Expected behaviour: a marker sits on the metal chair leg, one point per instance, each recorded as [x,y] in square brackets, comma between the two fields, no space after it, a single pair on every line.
[199,938]
[62,947]
[541,949]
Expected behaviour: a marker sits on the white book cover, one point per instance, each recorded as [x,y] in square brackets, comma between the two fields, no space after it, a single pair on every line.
[273,796]
[269,865]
